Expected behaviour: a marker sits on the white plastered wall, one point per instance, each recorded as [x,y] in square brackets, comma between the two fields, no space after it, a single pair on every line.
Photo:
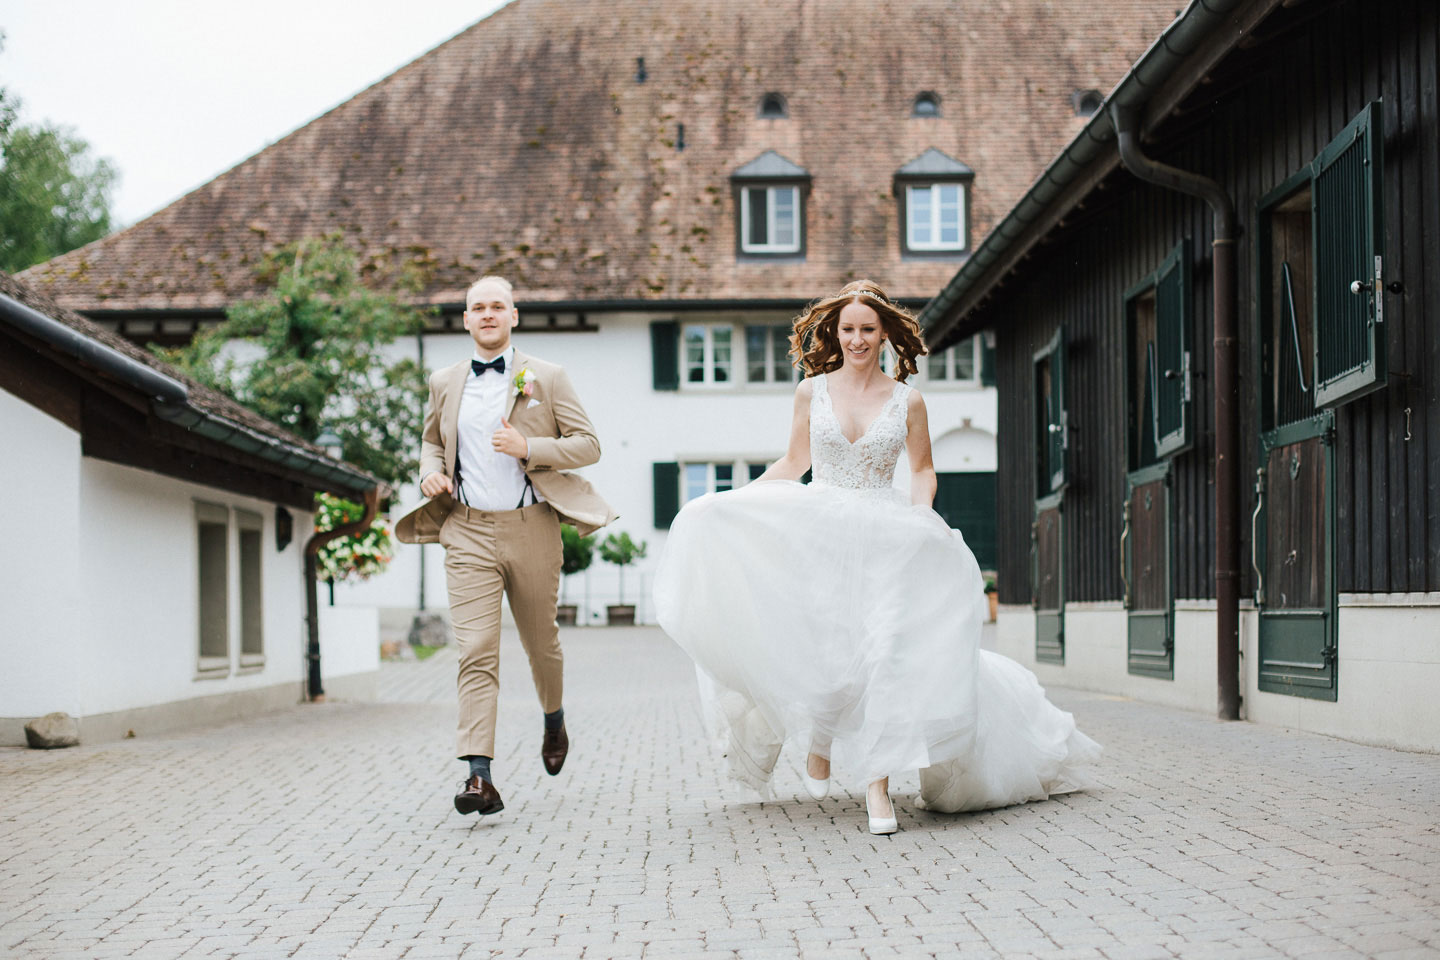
[40,585]
[1388,675]
[139,566]
[1389,666]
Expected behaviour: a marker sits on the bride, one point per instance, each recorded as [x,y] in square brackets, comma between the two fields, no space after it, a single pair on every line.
[839,617]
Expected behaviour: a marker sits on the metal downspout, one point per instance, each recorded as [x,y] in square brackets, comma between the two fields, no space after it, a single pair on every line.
[314,689]
[1227,398]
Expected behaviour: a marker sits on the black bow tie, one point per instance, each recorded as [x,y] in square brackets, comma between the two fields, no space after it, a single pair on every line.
[479,366]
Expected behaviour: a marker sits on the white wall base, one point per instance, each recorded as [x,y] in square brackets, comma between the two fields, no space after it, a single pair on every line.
[1389,667]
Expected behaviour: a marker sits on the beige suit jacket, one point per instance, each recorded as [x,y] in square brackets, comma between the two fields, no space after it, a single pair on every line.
[552,420]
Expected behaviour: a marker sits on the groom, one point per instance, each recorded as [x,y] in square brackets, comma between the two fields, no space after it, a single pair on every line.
[500,431]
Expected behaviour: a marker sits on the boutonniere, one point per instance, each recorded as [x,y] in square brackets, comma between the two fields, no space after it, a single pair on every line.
[524,382]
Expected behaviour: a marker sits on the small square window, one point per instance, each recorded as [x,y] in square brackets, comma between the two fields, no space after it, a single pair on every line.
[770,219]
[767,354]
[709,353]
[935,217]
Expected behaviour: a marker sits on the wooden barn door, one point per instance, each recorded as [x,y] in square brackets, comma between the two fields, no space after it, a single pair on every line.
[1148,584]
[1047,542]
[1158,398]
[1294,550]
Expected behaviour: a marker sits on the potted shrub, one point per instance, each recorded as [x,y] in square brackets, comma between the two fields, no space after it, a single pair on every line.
[577,553]
[620,550]
[992,594]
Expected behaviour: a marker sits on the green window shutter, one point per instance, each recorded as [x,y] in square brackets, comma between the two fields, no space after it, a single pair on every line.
[987,358]
[1349,312]
[1173,352]
[667,493]
[1052,420]
[665,354]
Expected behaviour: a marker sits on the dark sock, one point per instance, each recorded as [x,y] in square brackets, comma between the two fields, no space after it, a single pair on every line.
[480,767]
[554,721]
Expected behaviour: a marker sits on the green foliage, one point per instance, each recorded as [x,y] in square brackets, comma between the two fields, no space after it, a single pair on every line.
[620,550]
[316,357]
[578,551]
[355,557]
[54,196]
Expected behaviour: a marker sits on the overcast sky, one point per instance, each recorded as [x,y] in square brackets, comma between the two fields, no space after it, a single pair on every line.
[177,92]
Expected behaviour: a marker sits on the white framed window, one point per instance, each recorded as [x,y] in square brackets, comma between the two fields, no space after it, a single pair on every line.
[770,220]
[935,216]
[251,528]
[956,364]
[702,478]
[709,354]
[212,527]
[767,354]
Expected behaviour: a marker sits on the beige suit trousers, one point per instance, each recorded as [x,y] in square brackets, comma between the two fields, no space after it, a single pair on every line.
[488,552]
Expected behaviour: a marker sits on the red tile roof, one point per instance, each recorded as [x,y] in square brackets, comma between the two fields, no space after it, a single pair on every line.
[526,146]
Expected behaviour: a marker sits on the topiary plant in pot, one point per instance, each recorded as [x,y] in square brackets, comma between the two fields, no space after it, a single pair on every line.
[620,550]
[577,553]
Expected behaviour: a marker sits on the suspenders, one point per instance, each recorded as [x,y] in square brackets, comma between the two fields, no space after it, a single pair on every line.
[460,485]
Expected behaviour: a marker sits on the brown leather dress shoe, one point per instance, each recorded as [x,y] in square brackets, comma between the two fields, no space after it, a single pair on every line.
[553,749]
[478,796]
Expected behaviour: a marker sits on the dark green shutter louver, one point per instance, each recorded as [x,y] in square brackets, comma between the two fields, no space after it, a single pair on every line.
[1173,354]
[987,358]
[665,354]
[1349,309]
[667,494]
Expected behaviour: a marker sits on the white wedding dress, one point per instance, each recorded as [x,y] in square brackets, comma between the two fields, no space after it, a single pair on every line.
[837,613]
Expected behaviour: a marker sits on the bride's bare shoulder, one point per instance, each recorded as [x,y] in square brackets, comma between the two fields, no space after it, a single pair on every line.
[805,388]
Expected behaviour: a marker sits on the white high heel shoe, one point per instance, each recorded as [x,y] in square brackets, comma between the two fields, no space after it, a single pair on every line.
[881,826]
[816,788]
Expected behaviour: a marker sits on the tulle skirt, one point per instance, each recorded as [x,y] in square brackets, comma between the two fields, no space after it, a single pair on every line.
[847,622]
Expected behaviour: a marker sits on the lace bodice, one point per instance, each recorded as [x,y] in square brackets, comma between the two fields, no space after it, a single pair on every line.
[869,462]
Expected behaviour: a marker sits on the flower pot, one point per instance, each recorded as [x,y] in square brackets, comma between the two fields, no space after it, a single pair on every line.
[620,614]
[565,614]
[994,599]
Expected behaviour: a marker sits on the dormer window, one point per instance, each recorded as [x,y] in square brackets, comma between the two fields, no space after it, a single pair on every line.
[934,195]
[927,104]
[773,107]
[770,207]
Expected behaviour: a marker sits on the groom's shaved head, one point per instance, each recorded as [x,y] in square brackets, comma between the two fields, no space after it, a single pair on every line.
[488,284]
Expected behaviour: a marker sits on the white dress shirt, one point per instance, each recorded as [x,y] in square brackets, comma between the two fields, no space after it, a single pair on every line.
[489,479]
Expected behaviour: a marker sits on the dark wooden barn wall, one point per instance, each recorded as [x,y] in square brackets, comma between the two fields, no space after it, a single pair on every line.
[1280,105]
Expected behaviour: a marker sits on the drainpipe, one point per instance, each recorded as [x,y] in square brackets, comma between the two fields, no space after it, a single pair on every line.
[314,691]
[1227,397]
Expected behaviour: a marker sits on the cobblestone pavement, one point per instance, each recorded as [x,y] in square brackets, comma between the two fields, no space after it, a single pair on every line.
[327,831]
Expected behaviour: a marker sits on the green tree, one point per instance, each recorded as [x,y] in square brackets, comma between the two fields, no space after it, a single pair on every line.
[54,196]
[310,354]
[621,551]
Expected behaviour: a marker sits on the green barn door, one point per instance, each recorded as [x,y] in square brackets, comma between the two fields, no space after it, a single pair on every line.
[1320,288]
[1149,593]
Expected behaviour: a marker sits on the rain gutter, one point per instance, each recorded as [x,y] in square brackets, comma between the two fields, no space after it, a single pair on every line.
[1086,160]
[170,401]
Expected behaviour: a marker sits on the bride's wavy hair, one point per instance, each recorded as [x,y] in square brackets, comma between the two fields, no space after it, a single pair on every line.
[815,342]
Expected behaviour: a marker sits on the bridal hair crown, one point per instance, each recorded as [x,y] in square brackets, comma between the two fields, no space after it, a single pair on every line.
[872,293]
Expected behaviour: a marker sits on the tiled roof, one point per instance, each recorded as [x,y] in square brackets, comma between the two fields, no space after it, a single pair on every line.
[527,146]
[770,164]
[933,163]
[201,397]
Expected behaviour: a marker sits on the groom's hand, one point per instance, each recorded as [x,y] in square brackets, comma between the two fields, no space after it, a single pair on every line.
[436,483]
[510,441]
